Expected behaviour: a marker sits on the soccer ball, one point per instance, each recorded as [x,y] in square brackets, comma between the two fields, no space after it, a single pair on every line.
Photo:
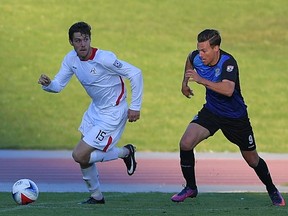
[25,191]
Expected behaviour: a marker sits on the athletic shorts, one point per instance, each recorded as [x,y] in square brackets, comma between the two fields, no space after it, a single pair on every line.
[102,129]
[236,130]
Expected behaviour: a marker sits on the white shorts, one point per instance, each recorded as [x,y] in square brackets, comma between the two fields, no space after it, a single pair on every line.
[102,129]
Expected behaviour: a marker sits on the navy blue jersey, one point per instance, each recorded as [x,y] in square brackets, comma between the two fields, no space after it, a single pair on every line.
[226,68]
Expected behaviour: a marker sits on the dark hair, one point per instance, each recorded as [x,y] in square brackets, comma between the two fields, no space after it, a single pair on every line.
[210,34]
[81,27]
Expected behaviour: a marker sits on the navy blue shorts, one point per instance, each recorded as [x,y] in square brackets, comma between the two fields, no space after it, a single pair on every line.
[237,130]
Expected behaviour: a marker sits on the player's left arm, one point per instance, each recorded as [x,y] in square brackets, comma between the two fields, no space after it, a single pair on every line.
[134,75]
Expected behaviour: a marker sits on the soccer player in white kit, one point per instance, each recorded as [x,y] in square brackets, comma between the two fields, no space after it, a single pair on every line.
[102,76]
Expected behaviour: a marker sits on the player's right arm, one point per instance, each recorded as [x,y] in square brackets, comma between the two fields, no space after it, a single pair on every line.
[44,80]
[61,79]
[186,91]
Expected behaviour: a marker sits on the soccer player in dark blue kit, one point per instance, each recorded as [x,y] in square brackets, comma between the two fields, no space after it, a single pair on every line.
[224,109]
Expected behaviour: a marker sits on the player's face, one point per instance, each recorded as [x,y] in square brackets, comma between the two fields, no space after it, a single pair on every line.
[81,44]
[209,55]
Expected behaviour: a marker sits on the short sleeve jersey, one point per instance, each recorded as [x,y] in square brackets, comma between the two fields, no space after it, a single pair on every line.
[226,68]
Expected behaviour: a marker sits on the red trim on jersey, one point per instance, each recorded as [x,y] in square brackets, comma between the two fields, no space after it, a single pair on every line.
[122,92]
[94,50]
[108,144]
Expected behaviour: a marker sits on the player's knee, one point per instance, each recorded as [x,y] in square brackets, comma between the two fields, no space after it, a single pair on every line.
[185,144]
[252,163]
[80,158]
[251,158]
[75,157]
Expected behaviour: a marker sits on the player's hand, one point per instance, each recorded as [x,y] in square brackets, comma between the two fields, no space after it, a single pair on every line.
[44,80]
[193,76]
[133,115]
[187,91]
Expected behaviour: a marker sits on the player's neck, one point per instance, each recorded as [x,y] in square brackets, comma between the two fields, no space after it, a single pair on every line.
[216,59]
[89,53]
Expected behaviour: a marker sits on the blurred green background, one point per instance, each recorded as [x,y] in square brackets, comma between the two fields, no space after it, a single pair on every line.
[156,36]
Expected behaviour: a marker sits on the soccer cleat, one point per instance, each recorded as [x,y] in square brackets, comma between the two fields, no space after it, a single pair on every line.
[130,161]
[91,200]
[185,193]
[277,198]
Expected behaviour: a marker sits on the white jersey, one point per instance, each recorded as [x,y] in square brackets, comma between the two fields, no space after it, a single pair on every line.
[102,78]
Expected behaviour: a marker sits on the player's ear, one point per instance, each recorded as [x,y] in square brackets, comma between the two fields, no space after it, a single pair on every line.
[71,43]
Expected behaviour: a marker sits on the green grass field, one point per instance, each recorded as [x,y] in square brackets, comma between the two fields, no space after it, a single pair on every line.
[155,35]
[142,204]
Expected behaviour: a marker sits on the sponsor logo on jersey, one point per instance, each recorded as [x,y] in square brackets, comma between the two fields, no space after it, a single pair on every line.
[230,68]
[117,64]
[93,71]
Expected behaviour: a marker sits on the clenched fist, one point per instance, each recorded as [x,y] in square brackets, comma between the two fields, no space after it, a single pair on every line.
[44,80]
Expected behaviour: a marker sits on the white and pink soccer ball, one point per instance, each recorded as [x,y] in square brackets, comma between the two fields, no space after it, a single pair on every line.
[25,191]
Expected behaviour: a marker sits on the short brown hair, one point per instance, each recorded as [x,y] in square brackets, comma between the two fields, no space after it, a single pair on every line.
[81,27]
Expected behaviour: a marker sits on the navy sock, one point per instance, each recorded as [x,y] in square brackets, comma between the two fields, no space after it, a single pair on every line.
[264,175]
[187,162]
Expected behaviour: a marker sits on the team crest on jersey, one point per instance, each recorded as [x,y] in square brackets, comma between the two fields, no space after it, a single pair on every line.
[117,64]
[230,68]
[217,72]
[93,71]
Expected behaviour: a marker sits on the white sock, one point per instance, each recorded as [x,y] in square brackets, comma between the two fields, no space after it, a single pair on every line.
[90,176]
[123,152]
[112,154]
